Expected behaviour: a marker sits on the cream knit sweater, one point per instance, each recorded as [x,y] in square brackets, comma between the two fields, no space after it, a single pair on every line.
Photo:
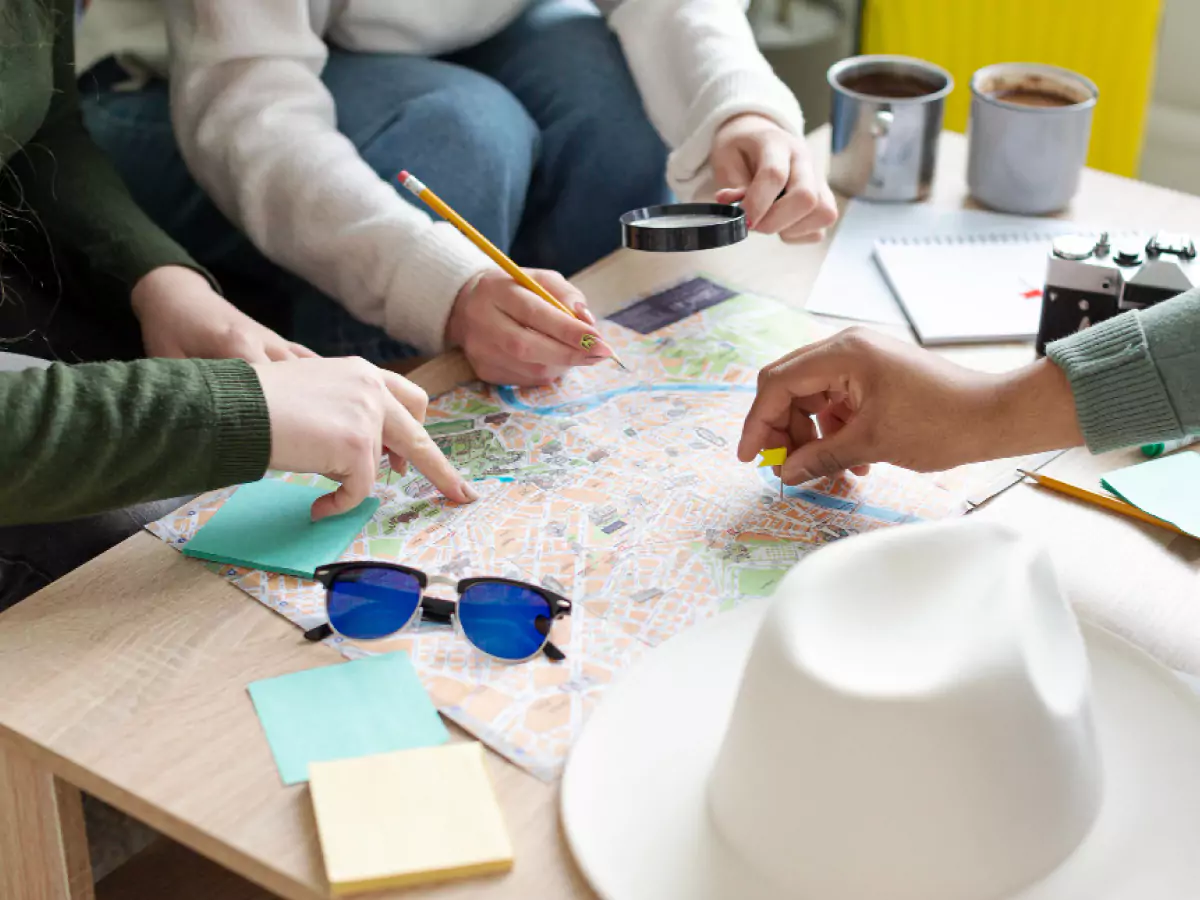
[257,127]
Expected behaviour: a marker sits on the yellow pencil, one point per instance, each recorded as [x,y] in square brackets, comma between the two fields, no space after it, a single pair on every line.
[415,186]
[1112,503]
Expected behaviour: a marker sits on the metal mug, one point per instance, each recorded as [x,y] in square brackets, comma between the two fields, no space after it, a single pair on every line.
[886,120]
[1026,155]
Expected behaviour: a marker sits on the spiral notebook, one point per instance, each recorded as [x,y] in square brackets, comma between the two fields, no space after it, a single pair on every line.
[969,288]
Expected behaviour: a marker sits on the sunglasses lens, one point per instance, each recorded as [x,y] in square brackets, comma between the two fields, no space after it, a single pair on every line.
[504,620]
[371,603]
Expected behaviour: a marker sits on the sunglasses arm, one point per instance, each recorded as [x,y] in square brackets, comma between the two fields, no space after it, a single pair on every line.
[324,630]
[319,633]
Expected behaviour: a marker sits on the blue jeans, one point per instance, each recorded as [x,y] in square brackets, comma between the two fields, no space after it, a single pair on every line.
[537,137]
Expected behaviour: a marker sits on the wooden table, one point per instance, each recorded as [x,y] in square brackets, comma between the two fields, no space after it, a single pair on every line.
[127,679]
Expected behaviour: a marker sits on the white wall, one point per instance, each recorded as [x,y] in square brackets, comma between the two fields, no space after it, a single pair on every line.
[1171,145]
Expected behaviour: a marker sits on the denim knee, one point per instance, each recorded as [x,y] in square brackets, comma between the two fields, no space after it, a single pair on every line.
[471,141]
[630,167]
[600,171]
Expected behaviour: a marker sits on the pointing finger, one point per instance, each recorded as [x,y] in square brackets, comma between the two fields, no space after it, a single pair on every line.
[403,435]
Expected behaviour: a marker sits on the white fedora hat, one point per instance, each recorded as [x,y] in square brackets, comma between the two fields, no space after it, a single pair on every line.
[916,715]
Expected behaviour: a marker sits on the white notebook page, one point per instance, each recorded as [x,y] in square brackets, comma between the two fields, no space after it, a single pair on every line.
[850,285]
[969,288]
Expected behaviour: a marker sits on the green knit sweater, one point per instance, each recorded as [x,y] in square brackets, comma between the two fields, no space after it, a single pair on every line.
[78,439]
[1136,377]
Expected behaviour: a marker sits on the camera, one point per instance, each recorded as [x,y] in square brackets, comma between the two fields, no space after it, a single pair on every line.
[1089,280]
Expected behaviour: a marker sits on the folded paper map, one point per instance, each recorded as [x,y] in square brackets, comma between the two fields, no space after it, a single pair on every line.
[620,490]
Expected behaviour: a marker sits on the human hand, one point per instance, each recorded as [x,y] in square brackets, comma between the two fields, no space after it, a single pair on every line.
[184,318]
[335,417]
[882,400]
[512,336]
[755,160]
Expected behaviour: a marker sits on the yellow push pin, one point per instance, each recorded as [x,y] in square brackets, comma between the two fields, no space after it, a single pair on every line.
[773,457]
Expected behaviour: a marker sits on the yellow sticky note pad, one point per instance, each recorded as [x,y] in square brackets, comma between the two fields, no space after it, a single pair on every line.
[773,457]
[409,817]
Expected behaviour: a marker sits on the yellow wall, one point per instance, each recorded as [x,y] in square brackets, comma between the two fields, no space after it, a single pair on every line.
[1113,42]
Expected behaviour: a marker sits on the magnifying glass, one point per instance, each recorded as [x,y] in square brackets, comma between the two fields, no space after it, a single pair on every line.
[683,227]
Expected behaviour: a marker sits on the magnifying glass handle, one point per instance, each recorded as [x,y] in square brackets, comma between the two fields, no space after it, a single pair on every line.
[778,196]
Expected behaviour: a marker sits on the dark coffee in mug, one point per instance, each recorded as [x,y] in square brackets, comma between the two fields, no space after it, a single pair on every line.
[1034,97]
[1033,89]
[893,85]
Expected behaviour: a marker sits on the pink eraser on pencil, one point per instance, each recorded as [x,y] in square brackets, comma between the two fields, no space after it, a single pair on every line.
[403,176]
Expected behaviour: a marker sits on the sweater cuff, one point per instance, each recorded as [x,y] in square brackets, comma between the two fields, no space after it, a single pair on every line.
[1120,397]
[735,94]
[426,285]
[241,422]
[139,255]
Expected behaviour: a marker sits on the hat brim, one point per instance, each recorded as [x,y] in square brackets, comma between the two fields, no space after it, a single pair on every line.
[634,804]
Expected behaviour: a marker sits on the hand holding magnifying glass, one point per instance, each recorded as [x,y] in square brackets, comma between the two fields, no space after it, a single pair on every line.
[769,161]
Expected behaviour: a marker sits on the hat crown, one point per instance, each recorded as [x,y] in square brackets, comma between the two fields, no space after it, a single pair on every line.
[913,723]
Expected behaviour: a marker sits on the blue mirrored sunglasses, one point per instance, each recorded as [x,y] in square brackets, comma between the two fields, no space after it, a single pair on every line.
[507,620]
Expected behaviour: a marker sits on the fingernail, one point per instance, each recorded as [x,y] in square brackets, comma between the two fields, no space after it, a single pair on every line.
[600,350]
[582,310]
[469,492]
[589,341]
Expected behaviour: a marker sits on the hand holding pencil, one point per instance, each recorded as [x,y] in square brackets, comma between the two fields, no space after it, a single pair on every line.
[516,326]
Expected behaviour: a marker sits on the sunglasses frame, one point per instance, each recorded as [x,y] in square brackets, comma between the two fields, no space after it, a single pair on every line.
[439,608]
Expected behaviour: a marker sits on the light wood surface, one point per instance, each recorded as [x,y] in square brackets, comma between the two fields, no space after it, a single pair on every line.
[127,678]
[43,844]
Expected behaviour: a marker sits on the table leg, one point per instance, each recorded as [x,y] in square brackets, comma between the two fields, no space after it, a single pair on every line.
[43,842]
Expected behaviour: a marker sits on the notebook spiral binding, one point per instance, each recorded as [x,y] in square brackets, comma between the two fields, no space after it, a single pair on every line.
[994,237]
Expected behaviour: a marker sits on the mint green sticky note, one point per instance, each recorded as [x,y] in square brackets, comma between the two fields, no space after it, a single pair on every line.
[1167,487]
[268,525]
[344,711]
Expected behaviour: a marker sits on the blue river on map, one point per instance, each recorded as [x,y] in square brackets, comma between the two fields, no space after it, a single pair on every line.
[584,404]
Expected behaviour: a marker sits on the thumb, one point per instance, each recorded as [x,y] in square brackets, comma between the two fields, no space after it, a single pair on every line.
[355,488]
[730,195]
[828,456]
[731,170]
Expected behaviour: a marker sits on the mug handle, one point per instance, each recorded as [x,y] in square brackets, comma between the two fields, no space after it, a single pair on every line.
[881,128]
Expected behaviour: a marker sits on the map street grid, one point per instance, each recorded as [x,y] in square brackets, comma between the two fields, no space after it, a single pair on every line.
[620,490]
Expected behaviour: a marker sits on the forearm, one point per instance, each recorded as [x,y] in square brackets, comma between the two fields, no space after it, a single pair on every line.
[1034,411]
[697,65]
[81,439]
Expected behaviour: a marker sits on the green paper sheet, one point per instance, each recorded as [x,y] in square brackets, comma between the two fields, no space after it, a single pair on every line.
[268,525]
[1168,487]
[344,711]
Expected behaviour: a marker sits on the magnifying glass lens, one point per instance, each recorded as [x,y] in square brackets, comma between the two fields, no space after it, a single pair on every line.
[683,227]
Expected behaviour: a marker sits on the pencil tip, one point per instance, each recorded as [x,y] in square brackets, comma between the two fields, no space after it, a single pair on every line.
[617,360]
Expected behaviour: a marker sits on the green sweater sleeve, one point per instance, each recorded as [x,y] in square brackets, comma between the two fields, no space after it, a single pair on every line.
[67,184]
[81,439]
[1136,377]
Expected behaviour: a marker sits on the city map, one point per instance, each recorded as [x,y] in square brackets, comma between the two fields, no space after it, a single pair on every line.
[618,489]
